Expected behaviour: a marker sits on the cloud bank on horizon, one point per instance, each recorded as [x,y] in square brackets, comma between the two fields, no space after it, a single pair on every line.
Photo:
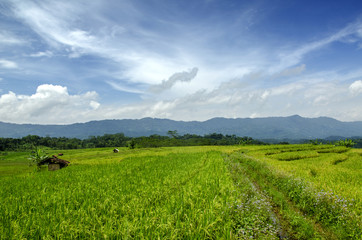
[75,61]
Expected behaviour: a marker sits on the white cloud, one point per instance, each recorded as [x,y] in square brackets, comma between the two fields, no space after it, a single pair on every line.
[254,115]
[53,22]
[291,71]
[290,58]
[176,77]
[161,109]
[42,54]
[288,89]
[135,50]
[306,98]
[94,104]
[123,88]
[49,91]
[7,38]
[49,104]
[144,56]
[356,87]
[8,64]
[53,104]
[265,94]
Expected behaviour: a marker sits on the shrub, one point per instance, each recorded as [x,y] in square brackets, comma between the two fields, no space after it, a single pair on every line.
[347,143]
[36,157]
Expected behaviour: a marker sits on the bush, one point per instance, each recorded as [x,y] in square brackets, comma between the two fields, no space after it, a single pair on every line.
[347,143]
[37,156]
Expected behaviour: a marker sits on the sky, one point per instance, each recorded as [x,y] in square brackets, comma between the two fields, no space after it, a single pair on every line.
[64,62]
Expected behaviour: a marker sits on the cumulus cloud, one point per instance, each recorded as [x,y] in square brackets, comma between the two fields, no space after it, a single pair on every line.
[94,104]
[7,64]
[177,77]
[356,87]
[307,98]
[49,104]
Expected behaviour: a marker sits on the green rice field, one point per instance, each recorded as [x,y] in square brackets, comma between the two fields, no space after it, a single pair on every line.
[212,192]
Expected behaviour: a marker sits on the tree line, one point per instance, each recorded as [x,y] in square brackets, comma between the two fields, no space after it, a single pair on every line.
[120,140]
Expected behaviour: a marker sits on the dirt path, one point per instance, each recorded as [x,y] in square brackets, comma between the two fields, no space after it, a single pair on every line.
[288,219]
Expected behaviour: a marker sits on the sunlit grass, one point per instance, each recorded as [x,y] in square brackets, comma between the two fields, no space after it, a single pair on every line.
[333,168]
[152,193]
[325,187]
[185,192]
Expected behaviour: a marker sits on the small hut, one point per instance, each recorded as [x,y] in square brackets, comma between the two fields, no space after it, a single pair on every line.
[54,163]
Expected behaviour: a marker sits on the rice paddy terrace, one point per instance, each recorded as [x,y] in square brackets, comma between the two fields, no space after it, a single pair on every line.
[214,192]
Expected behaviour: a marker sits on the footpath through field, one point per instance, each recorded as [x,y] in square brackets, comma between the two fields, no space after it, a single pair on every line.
[293,181]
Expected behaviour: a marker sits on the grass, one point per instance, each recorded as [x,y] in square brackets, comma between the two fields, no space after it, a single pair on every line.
[334,168]
[212,192]
[313,195]
[297,155]
[157,193]
[14,163]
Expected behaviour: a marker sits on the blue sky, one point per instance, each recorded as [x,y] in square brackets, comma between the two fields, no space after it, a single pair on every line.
[74,61]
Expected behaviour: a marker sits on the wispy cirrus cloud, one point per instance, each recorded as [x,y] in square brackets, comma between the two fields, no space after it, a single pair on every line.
[7,38]
[296,55]
[147,56]
[42,54]
[8,64]
[135,55]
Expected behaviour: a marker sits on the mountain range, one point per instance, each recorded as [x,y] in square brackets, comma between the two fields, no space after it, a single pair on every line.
[292,127]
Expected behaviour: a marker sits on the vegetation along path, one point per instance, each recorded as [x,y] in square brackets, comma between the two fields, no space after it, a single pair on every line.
[294,180]
[211,192]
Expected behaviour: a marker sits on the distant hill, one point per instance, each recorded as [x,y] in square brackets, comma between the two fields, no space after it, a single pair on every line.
[293,127]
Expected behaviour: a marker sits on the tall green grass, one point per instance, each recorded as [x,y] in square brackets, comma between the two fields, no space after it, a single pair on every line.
[329,168]
[164,195]
[14,163]
[313,192]
[233,192]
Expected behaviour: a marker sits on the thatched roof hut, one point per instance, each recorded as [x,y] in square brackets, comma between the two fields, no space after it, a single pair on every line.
[54,163]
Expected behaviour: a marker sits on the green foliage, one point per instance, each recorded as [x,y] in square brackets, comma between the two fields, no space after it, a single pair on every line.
[119,140]
[358,142]
[315,142]
[246,141]
[131,144]
[347,143]
[27,143]
[37,156]
[173,133]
